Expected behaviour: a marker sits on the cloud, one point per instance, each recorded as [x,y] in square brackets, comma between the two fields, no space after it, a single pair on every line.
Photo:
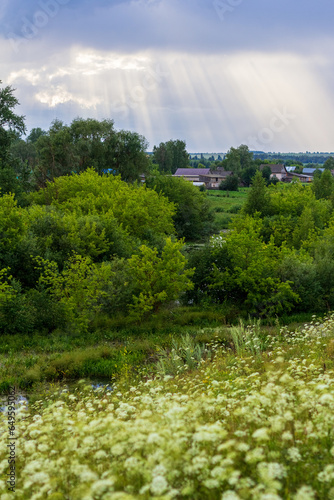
[197,26]
[210,101]
[211,72]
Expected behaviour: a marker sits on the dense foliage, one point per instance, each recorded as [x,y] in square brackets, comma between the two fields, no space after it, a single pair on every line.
[85,143]
[193,216]
[94,240]
[87,243]
[277,255]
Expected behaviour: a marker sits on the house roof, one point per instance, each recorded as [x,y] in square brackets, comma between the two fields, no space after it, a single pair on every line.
[220,173]
[303,176]
[311,170]
[190,172]
[275,169]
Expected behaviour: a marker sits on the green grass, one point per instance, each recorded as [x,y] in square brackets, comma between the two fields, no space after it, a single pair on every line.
[113,349]
[109,351]
[226,205]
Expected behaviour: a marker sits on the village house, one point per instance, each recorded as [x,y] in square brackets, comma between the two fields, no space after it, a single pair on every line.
[203,176]
[192,174]
[290,176]
[277,170]
[213,179]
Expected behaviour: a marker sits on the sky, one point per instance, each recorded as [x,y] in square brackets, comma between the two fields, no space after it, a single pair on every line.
[214,73]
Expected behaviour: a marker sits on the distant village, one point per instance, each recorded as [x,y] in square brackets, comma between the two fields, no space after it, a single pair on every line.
[211,179]
[204,171]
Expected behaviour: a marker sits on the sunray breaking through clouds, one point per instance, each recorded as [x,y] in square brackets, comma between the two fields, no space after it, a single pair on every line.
[172,69]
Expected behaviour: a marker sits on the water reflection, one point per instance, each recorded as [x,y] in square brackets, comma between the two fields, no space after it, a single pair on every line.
[22,398]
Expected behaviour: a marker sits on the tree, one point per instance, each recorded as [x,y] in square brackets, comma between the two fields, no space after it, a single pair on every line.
[238,159]
[56,154]
[323,187]
[329,163]
[317,173]
[249,275]
[127,153]
[193,218]
[158,279]
[10,123]
[11,127]
[290,163]
[139,211]
[258,199]
[266,173]
[35,133]
[91,140]
[86,143]
[231,183]
[247,175]
[170,156]
[299,169]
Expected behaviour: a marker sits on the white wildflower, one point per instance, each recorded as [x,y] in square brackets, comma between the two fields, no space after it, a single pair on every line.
[159,485]
[294,454]
[43,447]
[327,475]
[287,436]
[30,447]
[102,486]
[154,438]
[326,398]
[211,483]
[304,493]
[261,434]
[270,496]
[230,495]
[100,455]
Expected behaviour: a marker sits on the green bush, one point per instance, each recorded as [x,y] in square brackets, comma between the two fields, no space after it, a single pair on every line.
[231,183]
[194,216]
[235,209]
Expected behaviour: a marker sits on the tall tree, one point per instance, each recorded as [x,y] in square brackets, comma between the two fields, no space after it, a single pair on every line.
[238,159]
[323,186]
[56,154]
[329,163]
[86,143]
[247,175]
[170,156]
[10,123]
[258,199]
[129,158]
[11,127]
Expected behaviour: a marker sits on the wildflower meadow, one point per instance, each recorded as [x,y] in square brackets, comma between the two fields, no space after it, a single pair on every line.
[250,421]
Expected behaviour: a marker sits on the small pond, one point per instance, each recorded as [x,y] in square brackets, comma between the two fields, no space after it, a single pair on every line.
[22,397]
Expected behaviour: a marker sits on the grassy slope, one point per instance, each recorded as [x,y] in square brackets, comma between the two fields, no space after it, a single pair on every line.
[255,423]
[105,353]
[110,350]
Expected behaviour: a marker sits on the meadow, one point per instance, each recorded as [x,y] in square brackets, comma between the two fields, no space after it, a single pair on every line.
[226,205]
[248,416]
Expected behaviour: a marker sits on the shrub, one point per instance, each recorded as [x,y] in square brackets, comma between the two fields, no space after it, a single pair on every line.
[231,183]
[235,209]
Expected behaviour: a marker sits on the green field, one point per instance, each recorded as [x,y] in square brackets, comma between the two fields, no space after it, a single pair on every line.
[226,205]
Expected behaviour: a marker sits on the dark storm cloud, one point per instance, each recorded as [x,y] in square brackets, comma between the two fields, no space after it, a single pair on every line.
[229,65]
[205,26]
